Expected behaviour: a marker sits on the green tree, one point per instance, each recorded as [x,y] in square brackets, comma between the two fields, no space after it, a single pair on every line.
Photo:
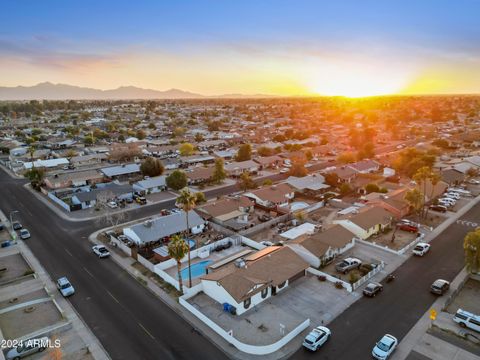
[332,179]
[200,198]
[345,189]
[186,200]
[36,176]
[177,180]
[471,246]
[152,167]
[187,149]
[177,249]
[198,137]
[298,168]
[152,126]
[346,158]
[369,188]
[264,151]
[219,173]
[140,134]
[245,182]
[244,152]
[267,182]
[415,200]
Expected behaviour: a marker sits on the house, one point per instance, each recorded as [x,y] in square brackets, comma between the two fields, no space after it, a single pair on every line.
[197,159]
[369,221]
[91,159]
[322,247]
[232,213]
[200,175]
[273,196]
[247,281]
[345,174]
[49,164]
[452,176]
[299,231]
[73,179]
[432,191]
[111,191]
[474,160]
[236,168]
[365,166]
[162,227]
[464,167]
[121,172]
[150,185]
[310,185]
[225,154]
[394,201]
[268,162]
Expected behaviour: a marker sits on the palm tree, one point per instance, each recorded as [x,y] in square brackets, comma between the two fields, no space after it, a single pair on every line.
[415,199]
[187,201]
[177,248]
[31,151]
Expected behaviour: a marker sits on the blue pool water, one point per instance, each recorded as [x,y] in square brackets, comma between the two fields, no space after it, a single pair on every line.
[198,269]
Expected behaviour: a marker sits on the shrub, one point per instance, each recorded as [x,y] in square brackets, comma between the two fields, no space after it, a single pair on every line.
[322,277]
[339,285]
[353,277]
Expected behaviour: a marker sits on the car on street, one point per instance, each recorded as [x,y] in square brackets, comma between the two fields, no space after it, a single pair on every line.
[439,208]
[112,204]
[372,289]
[348,264]
[141,200]
[439,287]
[65,287]
[385,347]
[28,347]
[24,234]
[316,338]
[421,249]
[474,182]
[407,227]
[16,225]
[101,251]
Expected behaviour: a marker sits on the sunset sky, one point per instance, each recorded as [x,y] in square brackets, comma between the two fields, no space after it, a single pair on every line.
[351,48]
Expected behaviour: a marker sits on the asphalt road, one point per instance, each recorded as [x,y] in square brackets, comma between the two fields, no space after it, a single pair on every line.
[402,302]
[130,322]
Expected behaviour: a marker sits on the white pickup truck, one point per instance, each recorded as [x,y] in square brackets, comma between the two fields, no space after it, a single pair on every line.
[348,264]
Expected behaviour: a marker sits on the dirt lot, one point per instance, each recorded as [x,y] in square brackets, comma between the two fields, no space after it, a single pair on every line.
[16,268]
[468,298]
[402,239]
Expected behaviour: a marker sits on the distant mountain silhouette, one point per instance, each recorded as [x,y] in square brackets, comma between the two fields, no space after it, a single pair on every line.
[49,91]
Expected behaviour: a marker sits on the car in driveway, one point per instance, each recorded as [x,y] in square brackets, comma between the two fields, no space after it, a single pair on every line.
[348,264]
[112,204]
[385,347]
[17,226]
[316,338]
[439,287]
[452,195]
[24,234]
[101,251]
[27,348]
[421,249]
[439,208]
[372,289]
[407,227]
[65,287]
[474,182]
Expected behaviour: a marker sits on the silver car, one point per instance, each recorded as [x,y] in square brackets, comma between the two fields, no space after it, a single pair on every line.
[24,234]
[28,347]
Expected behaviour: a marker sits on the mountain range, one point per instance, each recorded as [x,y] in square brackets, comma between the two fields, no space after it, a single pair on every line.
[49,91]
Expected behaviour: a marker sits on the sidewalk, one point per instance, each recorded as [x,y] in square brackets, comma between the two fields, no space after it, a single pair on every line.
[42,279]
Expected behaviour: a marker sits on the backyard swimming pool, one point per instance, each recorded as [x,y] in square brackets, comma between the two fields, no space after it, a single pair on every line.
[198,269]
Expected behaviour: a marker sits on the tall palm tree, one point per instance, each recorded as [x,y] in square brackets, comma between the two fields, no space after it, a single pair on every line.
[31,151]
[187,201]
[177,248]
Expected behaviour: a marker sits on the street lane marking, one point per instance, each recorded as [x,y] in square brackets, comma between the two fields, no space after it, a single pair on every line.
[88,272]
[113,297]
[467,223]
[148,333]
[68,252]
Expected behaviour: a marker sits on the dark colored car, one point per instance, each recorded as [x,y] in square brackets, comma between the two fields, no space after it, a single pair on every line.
[408,227]
[439,208]
[440,287]
[17,226]
[372,289]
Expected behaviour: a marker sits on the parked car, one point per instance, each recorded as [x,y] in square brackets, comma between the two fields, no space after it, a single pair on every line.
[453,195]
[264,217]
[421,249]
[460,191]
[439,208]
[65,287]
[28,347]
[467,320]
[447,201]
[141,200]
[348,264]
[372,289]
[16,225]
[129,200]
[101,251]
[2,227]
[407,227]
[316,338]
[385,347]
[284,170]
[112,204]
[474,182]
[440,287]
[24,234]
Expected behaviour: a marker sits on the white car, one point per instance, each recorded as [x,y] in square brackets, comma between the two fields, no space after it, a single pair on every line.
[447,201]
[474,182]
[316,338]
[460,191]
[101,251]
[24,234]
[385,347]
[65,287]
[421,249]
[28,347]
[112,204]
[453,195]
[284,170]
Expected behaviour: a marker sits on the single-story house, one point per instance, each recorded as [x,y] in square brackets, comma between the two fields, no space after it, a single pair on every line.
[345,174]
[237,168]
[369,221]
[394,201]
[432,191]
[121,172]
[49,164]
[197,159]
[267,162]
[229,212]
[163,227]
[111,191]
[365,166]
[272,196]
[225,154]
[320,248]
[299,231]
[248,281]
[200,174]
[310,184]
[452,176]
[73,179]
[88,159]
[150,185]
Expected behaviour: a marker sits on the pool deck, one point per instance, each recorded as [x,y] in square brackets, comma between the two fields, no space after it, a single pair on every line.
[214,257]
